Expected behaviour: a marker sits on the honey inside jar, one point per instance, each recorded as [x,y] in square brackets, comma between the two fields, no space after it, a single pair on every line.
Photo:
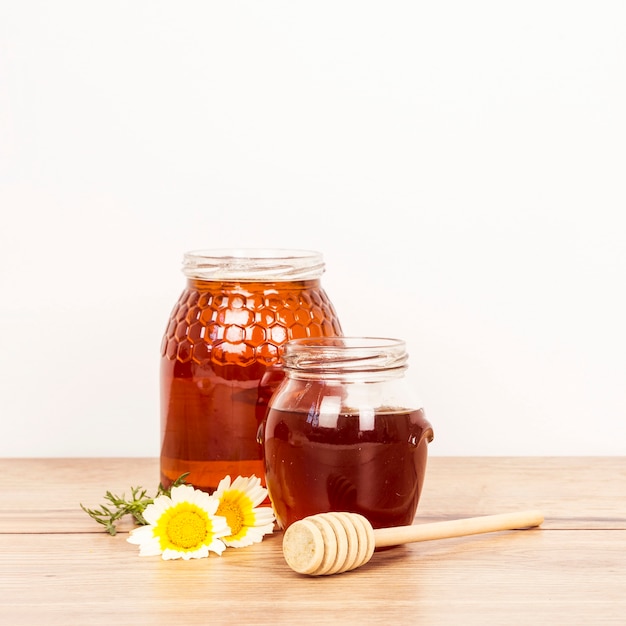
[375,469]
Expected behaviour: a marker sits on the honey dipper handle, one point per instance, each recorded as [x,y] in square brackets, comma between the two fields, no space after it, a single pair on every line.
[456,528]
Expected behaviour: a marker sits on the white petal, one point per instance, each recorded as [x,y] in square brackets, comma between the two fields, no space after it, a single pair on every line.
[181,493]
[217,546]
[153,511]
[263,516]
[220,527]
[210,505]
[244,484]
[205,501]
[247,540]
[170,555]
[268,529]
[224,485]
[253,535]
[257,495]
[139,535]
[201,553]
[150,548]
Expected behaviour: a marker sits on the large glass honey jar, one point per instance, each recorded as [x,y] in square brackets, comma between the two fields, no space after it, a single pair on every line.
[220,351]
[346,432]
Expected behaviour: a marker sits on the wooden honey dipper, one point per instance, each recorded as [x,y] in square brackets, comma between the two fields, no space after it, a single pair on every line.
[332,543]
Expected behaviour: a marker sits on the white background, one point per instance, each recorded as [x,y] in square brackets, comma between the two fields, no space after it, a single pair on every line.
[461,165]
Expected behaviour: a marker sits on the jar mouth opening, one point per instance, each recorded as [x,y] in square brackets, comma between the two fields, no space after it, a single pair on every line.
[344,354]
[253,264]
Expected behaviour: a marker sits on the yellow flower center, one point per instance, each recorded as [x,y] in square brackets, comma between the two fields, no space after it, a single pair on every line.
[233,514]
[183,527]
[186,530]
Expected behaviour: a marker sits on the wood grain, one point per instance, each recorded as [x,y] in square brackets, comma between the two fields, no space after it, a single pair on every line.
[58,567]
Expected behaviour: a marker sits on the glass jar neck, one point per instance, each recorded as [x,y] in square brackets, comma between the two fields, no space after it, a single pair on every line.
[346,359]
[251,287]
[253,265]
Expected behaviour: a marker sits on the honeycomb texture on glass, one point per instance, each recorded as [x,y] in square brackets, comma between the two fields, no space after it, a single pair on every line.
[244,326]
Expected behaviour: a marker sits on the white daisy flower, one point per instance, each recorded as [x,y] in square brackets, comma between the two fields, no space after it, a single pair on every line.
[182,525]
[238,503]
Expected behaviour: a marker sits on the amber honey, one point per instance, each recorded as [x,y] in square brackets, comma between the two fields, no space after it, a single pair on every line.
[222,338]
[377,471]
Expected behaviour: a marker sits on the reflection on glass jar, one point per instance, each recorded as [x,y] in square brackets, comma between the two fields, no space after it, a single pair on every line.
[344,432]
[220,351]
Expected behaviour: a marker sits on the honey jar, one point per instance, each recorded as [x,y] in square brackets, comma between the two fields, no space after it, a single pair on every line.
[345,432]
[220,350]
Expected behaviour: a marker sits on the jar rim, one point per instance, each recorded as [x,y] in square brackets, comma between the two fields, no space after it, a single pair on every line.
[253,264]
[344,354]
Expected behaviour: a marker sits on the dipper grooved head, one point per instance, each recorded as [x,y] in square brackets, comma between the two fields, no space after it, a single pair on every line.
[328,543]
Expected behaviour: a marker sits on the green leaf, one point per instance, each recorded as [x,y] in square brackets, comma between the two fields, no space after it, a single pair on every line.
[119,506]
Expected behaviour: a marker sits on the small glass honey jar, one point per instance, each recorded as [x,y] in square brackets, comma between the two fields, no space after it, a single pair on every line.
[345,432]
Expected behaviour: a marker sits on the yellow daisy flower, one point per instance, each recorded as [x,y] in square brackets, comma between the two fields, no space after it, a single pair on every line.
[182,525]
[238,503]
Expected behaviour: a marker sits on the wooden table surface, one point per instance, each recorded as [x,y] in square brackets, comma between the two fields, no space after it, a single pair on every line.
[58,567]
